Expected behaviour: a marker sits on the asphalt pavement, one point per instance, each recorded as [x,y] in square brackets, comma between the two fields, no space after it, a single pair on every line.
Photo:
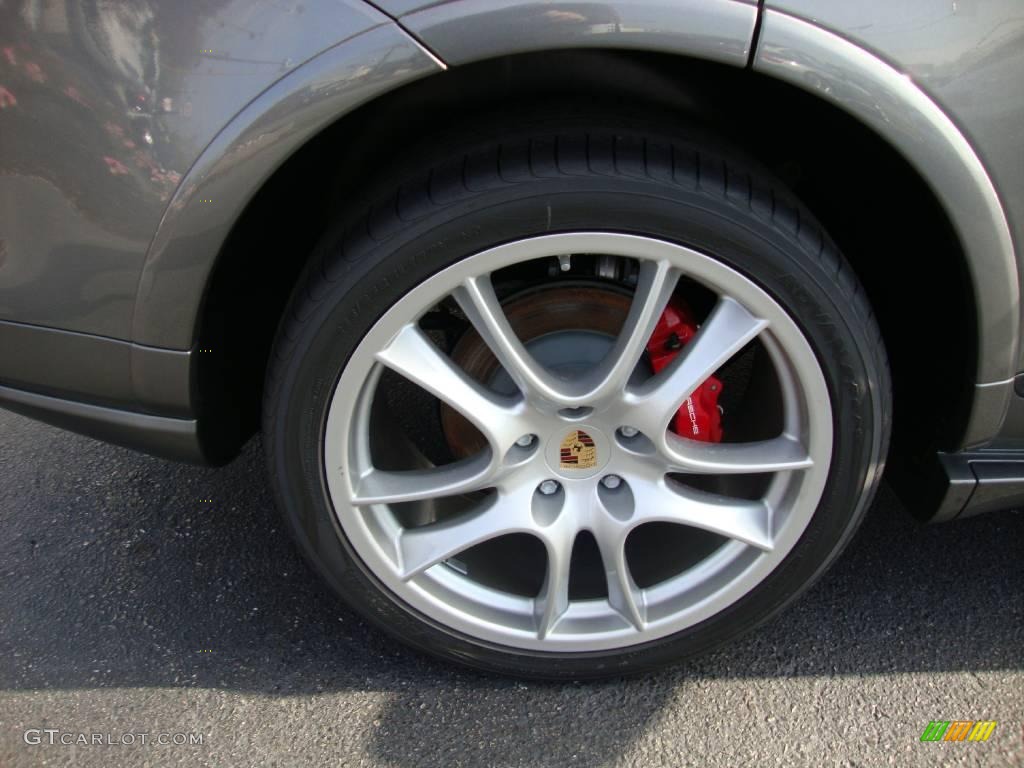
[138,596]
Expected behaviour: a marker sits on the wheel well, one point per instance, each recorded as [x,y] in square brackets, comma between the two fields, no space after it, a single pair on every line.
[878,209]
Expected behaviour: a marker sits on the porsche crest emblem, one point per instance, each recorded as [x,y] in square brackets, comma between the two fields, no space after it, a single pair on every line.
[578,451]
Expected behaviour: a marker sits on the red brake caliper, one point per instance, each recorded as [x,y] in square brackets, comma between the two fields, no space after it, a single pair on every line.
[698,418]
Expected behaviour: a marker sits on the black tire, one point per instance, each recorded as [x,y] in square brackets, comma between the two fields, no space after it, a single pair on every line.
[541,180]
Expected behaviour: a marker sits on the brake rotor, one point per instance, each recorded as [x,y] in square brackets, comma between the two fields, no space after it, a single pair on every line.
[566,310]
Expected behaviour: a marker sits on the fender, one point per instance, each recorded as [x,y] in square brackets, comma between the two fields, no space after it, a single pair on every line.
[890,103]
[243,155]
[812,58]
[799,52]
[246,152]
[468,30]
[107,106]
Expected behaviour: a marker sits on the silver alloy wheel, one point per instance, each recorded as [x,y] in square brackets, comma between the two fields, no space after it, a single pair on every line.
[410,561]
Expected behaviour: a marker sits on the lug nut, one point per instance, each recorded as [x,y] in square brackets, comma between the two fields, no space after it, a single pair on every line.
[548,487]
[525,441]
[611,482]
[629,431]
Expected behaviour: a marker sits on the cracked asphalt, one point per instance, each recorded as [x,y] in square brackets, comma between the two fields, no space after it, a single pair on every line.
[128,605]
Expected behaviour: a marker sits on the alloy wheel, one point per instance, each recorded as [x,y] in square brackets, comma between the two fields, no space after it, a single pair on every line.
[411,521]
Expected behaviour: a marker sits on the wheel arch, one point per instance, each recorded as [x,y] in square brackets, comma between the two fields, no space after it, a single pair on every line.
[738,99]
[894,107]
[241,159]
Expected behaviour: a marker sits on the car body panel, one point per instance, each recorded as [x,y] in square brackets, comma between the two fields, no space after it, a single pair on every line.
[967,55]
[75,301]
[468,30]
[243,156]
[96,368]
[890,103]
[399,8]
[105,108]
[273,126]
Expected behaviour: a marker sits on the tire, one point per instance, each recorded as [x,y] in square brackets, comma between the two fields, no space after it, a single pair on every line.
[533,182]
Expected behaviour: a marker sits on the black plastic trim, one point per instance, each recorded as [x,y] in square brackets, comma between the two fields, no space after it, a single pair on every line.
[169,438]
[980,481]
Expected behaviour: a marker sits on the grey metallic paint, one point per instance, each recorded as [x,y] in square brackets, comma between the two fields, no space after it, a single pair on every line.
[96,369]
[469,30]
[71,364]
[243,155]
[890,103]
[398,8]
[114,103]
[967,55]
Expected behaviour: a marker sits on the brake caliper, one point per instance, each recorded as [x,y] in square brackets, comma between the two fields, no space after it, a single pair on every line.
[699,418]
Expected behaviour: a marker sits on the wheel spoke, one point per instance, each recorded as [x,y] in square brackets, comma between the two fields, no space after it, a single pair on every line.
[623,593]
[477,299]
[655,283]
[384,487]
[779,454]
[726,331]
[671,502]
[428,545]
[415,357]
[553,600]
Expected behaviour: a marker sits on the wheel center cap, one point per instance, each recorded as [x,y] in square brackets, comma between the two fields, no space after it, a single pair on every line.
[578,452]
